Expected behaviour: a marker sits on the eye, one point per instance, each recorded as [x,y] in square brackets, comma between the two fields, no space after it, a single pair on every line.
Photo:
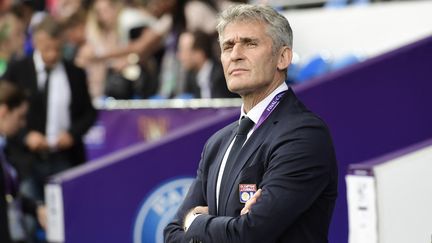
[251,44]
[227,47]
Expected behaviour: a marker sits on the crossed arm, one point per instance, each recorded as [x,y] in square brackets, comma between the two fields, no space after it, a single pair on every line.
[296,176]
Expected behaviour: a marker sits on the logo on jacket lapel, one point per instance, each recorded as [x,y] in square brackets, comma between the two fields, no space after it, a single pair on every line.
[246,192]
[158,210]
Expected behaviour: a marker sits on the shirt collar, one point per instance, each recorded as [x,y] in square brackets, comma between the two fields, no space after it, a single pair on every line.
[255,113]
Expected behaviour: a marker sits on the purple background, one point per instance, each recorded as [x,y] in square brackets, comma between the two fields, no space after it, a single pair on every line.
[102,198]
[118,129]
[376,107]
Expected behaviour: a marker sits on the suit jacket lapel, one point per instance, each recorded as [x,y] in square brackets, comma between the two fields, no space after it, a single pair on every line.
[251,145]
[214,172]
[32,77]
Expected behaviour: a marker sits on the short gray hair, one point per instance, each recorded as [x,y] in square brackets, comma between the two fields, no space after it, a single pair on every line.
[277,25]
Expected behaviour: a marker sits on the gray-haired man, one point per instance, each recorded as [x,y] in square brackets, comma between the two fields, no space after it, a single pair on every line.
[272,175]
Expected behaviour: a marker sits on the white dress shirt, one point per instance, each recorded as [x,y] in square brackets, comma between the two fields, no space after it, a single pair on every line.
[59,99]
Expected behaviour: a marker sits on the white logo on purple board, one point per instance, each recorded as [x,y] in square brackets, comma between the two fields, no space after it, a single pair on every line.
[159,209]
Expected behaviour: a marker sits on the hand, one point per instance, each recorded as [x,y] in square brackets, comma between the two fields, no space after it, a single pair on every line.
[251,202]
[200,210]
[36,141]
[41,213]
[191,215]
[65,141]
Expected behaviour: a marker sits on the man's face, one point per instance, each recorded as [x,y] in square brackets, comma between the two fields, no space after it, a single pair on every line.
[14,119]
[247,58]
[186,54]
[49,47]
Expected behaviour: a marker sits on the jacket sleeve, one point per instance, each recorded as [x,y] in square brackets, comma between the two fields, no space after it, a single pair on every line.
[195,197]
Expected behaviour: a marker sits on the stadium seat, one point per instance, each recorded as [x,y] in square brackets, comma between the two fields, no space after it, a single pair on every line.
[345,61]
[336,3]
[316,66]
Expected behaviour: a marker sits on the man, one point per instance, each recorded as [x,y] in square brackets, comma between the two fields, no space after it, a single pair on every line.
[205,78]
[13,108]
[60,111]
[287,160]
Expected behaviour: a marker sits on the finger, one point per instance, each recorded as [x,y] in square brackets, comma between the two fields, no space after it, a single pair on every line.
[244,211]
[201,210]
[248,206]
[257,194]
[249,203]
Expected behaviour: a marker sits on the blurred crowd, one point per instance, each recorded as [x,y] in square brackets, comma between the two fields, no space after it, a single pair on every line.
[129,49]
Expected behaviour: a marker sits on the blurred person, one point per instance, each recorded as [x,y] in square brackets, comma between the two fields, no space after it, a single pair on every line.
[74,34]
[29,11]
[60,111]
[205,77]
[107,29]
[63,10]
[11,39]
[271,176]
[173,17]
[5,5]
[13,108]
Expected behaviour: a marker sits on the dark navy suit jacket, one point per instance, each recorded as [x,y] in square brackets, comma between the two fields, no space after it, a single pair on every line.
[291,157]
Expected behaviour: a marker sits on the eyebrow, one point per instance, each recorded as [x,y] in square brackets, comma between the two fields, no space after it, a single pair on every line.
[243,40]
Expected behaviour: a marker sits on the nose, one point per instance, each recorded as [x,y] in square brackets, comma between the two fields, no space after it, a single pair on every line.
[237,53]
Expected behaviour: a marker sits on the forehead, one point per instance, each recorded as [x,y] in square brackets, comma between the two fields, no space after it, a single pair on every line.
[244,29]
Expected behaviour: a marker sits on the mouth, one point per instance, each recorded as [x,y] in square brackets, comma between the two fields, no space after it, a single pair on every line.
[236,71]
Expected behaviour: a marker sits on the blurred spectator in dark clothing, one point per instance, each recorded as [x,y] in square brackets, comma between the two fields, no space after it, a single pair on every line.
[205,76]
[13,108]
[60,111]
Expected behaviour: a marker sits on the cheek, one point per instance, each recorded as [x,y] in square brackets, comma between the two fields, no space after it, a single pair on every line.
[225,65]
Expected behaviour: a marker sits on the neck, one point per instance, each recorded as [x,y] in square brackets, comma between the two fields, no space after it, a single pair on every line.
[252,99]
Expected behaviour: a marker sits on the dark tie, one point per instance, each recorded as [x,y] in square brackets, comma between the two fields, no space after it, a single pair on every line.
[47,79]
[245,126]
[45,97]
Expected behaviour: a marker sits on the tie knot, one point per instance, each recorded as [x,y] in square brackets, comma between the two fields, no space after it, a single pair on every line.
[245,125]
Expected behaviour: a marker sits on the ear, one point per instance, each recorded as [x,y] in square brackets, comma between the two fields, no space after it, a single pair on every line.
[285,58]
